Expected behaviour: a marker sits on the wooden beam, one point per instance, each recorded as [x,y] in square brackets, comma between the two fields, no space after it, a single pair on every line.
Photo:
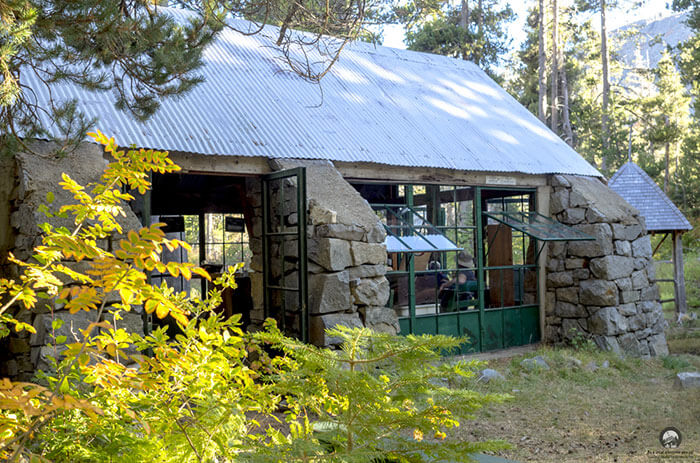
[659,245]
[543,196]
[679,274]
[369,172]
[220,165]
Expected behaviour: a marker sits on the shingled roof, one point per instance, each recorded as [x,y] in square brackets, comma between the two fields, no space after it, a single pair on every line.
[638,189]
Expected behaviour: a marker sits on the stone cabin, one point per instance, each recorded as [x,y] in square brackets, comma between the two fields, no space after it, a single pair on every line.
[362,200]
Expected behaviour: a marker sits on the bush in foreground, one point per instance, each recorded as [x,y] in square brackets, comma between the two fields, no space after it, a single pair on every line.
[213,392]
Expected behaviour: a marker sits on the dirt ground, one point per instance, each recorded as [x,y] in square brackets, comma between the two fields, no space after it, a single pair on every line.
[571,414]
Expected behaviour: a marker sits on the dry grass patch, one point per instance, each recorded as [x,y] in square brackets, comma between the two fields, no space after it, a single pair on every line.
[570,414]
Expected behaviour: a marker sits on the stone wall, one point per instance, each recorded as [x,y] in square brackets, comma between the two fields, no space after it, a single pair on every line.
[35,174]
[347,257]
[603,289]
[7,188]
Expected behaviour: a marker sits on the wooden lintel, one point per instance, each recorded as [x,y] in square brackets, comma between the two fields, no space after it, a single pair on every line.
[542,207]
[371,172]
[220,165]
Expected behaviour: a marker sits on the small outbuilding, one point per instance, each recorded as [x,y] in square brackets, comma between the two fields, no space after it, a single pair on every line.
[661,217]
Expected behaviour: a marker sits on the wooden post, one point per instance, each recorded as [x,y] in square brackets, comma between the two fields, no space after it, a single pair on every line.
[679,274]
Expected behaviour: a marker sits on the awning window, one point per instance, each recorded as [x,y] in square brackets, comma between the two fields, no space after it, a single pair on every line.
[538,226]
[409,231]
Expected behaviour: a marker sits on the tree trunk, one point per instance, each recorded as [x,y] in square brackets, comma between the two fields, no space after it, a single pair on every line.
[464,15]
[480,20]
[541,66]
[679,276]
[566,119]
[554,121]
[606,85]
[667,160]
[677,154]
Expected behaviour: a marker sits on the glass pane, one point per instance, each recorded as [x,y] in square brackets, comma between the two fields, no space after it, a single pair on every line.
[398,294]
[214,228]
[234,254]
[191,229]
[458,290]
[193,257]
[427,284]
[215,254]
[536,225]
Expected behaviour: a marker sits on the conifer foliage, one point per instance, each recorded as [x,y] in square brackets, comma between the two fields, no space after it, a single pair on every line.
[139,53]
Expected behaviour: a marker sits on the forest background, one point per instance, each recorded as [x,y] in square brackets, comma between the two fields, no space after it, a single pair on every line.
[573,73]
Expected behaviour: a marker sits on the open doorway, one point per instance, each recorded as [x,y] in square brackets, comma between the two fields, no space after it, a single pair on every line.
[215,215]
[259,221]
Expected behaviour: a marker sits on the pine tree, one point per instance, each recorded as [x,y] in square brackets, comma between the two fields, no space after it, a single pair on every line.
[445,34]
[541,63]
[554,120]
[689,65]
[135,51]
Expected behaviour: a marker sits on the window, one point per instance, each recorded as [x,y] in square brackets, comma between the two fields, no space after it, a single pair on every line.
[218,241]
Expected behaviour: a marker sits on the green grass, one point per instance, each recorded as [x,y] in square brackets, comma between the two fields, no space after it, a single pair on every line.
[691,268]
[683,338]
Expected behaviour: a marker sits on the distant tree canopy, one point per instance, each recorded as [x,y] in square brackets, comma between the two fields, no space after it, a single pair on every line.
[475,34]
[652,114]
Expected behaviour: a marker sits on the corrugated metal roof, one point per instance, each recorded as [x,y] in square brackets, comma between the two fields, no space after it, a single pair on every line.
[638,189]
[377,104]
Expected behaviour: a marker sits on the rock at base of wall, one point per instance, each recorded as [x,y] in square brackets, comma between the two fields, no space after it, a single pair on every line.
[630,345]
[607,321]
[657,345]
[45,357]
[130,322]
[608,343]
[71,328]
[380,319]
[321,323]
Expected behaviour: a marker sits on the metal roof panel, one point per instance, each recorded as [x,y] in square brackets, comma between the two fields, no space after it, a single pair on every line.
[378,105]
